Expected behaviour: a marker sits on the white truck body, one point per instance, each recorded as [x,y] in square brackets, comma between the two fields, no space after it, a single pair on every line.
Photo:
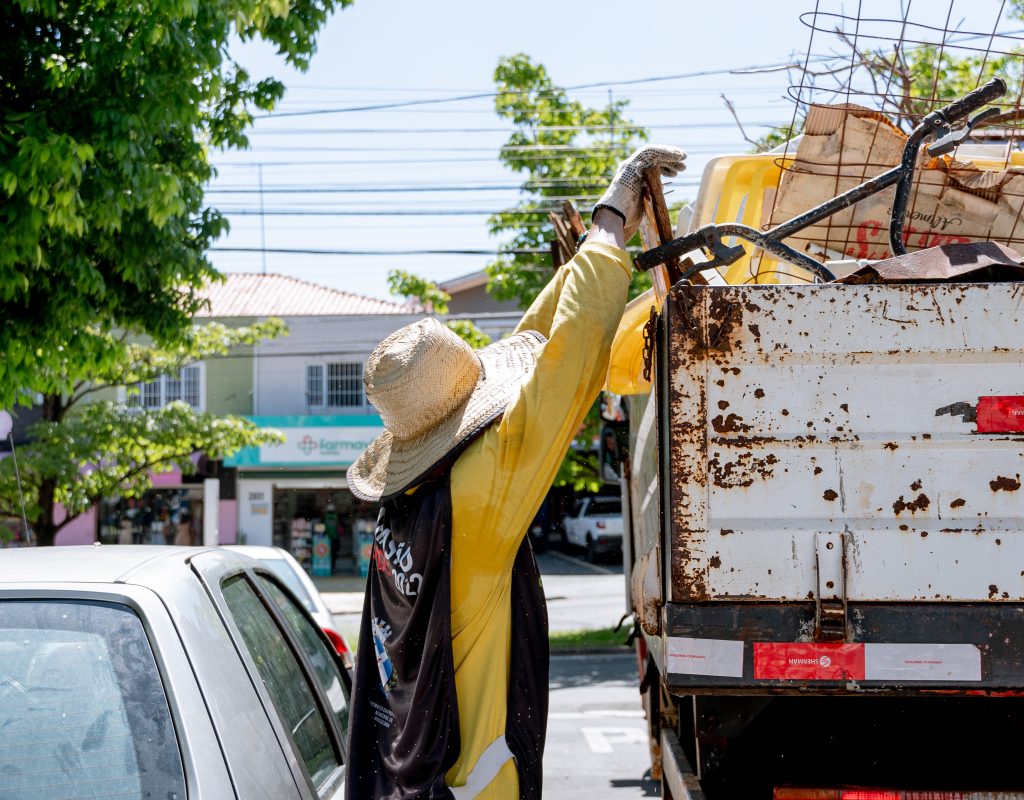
[825,539]
[827,450]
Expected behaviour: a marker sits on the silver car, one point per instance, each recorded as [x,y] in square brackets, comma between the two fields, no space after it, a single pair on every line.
[163,672]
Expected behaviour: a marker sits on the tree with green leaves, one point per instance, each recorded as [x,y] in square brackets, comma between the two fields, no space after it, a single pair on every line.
[108,112]
[565,150]
[87,448]
[434,300]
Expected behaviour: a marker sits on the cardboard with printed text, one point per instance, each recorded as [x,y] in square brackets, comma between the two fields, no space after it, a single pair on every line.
[952,202]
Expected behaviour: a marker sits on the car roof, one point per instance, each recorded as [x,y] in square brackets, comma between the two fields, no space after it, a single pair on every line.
[259,551]
[90,564]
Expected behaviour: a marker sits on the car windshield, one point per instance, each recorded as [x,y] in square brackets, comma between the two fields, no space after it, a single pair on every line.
[602,508]
[82,708]
[283,570]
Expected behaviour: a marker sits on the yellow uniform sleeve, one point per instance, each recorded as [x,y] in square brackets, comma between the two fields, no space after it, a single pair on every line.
[501,479]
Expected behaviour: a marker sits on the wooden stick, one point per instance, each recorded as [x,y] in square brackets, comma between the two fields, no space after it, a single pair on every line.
[663,223]
[573,216]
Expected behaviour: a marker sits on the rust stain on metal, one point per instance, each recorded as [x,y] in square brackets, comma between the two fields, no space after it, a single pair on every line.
[993,590]
[830,494]
[741,472]
[733,423]
[723,404]
[723,317]
[754,329]
[727,531]
[920,503]
[845,407]
[759,393]
[916,485]
[785,412]
[891,446]
[958,503]
[818,470]
[1004,484]
[714,562]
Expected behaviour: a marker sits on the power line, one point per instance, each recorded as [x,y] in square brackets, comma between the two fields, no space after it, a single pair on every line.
[538,128]
[315,252]
[419,212]
[490,94]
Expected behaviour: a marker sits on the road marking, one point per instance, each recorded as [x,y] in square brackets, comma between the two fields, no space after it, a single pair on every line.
[576,562]
[600,739]
[598,714]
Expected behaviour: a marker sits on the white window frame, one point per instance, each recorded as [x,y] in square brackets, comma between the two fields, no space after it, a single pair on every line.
[163,389]
[324,387]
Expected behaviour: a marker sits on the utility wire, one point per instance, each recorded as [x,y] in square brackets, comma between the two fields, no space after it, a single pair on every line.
[533,128]
[559,89]
[316,252]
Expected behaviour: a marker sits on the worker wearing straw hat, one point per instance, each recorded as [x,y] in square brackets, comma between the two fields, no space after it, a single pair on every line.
[451,680]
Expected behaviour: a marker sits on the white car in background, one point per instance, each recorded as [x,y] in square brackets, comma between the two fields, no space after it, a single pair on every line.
[595,523]
[285,567]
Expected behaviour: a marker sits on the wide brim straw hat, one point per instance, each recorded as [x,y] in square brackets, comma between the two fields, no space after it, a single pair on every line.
[434,394]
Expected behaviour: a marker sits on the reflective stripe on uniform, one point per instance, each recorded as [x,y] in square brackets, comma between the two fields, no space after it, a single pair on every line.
[485,770]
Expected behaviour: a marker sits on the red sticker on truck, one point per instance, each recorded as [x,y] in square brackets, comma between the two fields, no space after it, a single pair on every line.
[874,661]
[799,661]
[1001,414]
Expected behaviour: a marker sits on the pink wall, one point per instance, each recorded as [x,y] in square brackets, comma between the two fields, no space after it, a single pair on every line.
[81,530]
[227,529]
[166,480]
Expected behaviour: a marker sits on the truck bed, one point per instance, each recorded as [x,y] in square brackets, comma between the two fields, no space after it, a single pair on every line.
[843,454]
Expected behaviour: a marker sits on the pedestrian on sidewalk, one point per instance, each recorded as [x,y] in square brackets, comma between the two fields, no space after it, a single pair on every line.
[451,681]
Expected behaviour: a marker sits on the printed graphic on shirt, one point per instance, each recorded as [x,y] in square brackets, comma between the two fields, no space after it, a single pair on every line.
[382,715]
[381,633]
[395,559]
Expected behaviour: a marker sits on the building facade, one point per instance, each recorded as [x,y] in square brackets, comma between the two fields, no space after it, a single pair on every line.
[308,386]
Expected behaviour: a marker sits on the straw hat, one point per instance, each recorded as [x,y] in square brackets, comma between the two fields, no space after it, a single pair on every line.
[434,393]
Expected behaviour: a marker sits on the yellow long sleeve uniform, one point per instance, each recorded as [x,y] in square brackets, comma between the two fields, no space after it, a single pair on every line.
[502,478]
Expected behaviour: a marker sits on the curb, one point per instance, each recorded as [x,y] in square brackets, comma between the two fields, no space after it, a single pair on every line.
[590,651]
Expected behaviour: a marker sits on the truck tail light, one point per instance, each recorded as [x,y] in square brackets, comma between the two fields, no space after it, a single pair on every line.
[600,525]
[793,793]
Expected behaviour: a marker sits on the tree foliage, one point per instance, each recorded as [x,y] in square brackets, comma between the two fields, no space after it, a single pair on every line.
[108,111]
[434,300]
[85,450]
[565,150]
[904,81]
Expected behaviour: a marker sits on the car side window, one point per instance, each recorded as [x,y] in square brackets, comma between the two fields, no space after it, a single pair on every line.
[283,676]
[316,651]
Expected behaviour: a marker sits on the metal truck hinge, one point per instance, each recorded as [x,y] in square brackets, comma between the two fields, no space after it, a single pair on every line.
[830,597]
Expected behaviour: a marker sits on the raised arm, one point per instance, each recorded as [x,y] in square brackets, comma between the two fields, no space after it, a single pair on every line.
[578,312]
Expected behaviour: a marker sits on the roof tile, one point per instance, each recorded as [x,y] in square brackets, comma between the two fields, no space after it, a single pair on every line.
[252,294]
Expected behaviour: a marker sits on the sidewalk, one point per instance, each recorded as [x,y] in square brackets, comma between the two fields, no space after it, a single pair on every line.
[343,594]
[587,598]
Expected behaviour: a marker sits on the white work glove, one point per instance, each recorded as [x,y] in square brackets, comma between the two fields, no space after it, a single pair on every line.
[623,196]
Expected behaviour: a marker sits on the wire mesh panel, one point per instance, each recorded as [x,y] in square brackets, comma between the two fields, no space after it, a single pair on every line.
[867,79]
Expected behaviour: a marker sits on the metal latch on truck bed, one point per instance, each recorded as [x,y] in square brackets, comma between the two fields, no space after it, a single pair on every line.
[830,597]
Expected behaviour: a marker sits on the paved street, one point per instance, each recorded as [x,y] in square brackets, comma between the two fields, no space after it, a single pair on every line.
[596,746]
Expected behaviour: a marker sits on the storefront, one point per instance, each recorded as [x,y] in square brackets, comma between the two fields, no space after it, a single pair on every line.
[293,495]
[193,509]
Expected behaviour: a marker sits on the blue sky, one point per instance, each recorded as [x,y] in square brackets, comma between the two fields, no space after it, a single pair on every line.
[380,51]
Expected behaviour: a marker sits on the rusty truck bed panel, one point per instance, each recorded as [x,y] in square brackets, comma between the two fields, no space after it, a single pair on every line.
[822,443]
